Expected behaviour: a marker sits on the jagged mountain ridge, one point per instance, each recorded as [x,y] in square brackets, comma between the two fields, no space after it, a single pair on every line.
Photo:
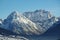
[41,18]
[21,25]
[29,23]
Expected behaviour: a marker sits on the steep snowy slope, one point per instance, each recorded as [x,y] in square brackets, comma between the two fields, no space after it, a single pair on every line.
[37,25]
[41,18]
[20,24]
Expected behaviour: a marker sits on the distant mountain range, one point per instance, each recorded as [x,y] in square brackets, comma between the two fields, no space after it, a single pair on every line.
[39,22]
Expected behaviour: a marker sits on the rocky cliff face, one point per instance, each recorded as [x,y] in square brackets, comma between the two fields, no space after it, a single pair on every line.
[29,23]
[41,18]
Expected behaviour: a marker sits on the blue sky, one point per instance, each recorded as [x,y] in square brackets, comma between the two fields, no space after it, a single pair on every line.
[7,6]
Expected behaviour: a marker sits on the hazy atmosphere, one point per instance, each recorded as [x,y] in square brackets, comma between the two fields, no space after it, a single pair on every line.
[7,6]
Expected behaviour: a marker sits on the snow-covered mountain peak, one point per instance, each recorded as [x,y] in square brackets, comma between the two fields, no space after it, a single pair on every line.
[36,22]
[18,23]
[43,13]
[15,15]
[40,15]
[14,12]
[41,18]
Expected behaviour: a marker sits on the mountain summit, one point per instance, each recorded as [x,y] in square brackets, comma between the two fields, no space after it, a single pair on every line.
[29,23]
[35,25]
[41,18]
[21,25]
[13,15]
